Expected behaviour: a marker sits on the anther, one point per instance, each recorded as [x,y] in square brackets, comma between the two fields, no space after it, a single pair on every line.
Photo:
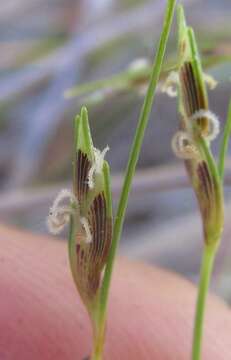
[97,165]
[87,230]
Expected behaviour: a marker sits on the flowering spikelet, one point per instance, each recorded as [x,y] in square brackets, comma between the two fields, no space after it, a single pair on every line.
[91,228]
[89,211]
[198,127]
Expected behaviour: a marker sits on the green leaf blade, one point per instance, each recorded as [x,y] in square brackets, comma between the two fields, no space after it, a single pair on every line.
[224,144]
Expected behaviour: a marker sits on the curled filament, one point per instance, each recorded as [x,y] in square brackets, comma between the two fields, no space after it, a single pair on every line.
[59,215]
[183,146]
[213,123]
[170,85]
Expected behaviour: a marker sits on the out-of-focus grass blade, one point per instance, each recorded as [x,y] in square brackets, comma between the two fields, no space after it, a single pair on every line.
[224,144]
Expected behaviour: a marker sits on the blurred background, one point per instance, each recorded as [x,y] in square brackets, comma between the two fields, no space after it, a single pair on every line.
[50,46]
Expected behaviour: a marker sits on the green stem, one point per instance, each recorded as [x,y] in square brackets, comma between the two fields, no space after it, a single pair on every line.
[98,342]
[205,275]
[133,158]
[224,144]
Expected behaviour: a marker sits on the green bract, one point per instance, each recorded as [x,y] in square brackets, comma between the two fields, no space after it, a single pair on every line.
[198,127]
[91,221]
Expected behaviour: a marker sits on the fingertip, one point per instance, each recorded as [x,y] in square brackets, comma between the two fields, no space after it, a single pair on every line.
[150,310]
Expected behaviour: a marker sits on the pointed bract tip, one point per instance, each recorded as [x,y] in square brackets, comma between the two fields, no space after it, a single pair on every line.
[181,20]
[84,113]
[180,15]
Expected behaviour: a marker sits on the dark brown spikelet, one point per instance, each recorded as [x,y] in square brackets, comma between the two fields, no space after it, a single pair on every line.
[91,257]
[205,186]
[81,176]
[194,98]
[205,192]
[197,125]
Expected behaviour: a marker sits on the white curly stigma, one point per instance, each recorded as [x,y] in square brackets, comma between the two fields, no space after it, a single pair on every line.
[183,146]
[210,81]
[59,215]
[169,86]
[87,230]
[97,165]
[139,64]
[214,125]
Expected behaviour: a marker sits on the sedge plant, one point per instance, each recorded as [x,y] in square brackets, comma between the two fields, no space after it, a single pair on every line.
[198,127]
[93,238]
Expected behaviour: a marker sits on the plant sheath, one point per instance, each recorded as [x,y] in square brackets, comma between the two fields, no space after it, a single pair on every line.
[133,158]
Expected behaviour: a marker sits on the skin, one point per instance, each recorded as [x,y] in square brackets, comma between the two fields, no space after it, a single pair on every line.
[150,312]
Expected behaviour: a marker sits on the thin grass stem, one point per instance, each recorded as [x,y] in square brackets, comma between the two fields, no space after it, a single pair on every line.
[224,144]
[133,158]
[205,275]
